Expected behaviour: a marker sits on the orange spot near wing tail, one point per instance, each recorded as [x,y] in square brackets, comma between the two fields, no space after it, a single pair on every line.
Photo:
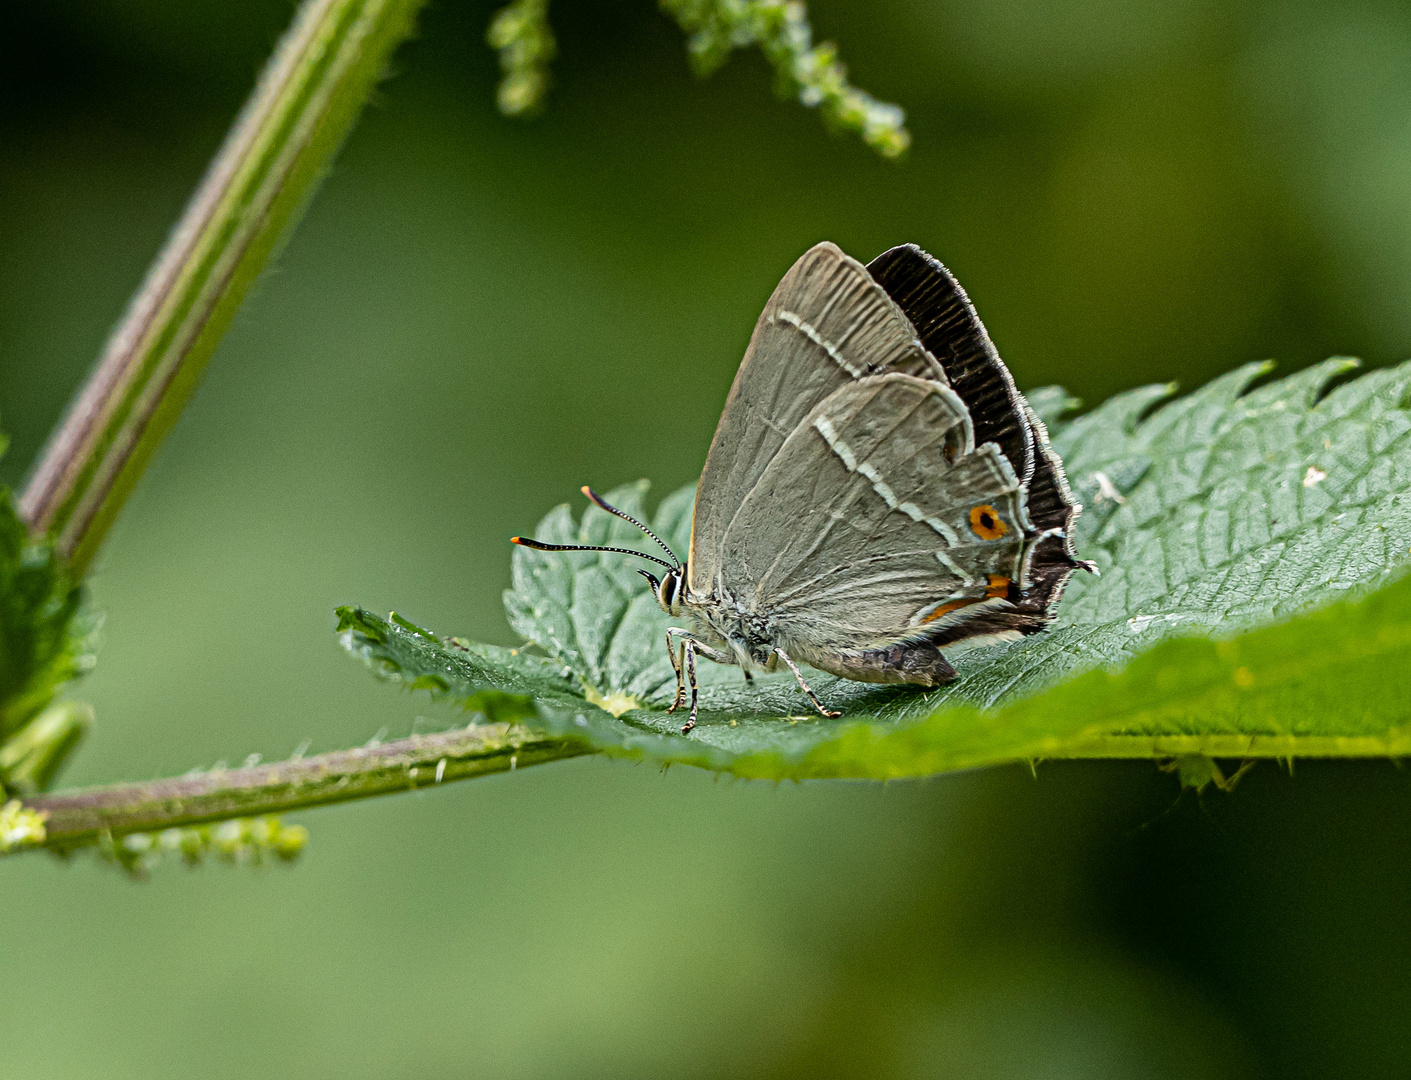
[998,589]
[946,609]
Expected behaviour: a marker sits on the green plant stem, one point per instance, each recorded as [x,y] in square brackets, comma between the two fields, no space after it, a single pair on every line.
[302,108]
[80,817]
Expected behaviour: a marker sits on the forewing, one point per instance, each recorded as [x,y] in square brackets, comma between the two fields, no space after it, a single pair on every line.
[952,332]
[828,324]
[860,531]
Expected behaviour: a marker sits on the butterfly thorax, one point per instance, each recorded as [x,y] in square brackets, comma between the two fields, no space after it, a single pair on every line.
[749,636]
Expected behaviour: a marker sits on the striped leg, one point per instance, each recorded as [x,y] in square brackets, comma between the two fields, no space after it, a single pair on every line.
[804,686]
[690,651]
[676,667]
[685,667]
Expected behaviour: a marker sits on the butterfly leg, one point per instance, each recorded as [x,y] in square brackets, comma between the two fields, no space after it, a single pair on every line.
[690,651]
[676,659]
[803,685]
[685,667]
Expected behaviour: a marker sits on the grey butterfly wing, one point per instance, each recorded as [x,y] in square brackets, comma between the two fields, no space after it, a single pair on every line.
[950,329]
[827,324]
[948,326]
[859,531]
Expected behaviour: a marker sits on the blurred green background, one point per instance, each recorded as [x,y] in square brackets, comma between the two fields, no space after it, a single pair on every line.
[477,316]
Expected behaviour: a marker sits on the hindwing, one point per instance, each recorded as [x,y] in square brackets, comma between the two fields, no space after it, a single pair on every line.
[951,330]
[862,529]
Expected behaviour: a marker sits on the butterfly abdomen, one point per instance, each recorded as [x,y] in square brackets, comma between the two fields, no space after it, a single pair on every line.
[916,662]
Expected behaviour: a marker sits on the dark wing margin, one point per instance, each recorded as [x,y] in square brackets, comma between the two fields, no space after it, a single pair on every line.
[1053,512]
[951,331]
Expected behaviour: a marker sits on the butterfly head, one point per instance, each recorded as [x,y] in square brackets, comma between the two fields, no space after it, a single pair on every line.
[670,591]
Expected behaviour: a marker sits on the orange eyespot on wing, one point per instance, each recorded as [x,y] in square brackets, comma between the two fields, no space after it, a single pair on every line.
[999,587]
[986,522]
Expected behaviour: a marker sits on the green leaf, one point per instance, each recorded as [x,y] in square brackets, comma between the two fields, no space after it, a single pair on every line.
[415,658]
[33,756]
[44,643]
[1225,514]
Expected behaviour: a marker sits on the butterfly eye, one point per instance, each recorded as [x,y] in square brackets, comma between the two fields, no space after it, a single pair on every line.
[987,523]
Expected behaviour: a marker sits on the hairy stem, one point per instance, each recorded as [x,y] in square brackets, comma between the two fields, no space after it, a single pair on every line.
[78,818]
[305,103]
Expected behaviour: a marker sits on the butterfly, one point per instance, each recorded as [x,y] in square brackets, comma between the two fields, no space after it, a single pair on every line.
[877,491]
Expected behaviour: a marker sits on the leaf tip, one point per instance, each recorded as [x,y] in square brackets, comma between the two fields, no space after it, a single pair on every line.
[356,619]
